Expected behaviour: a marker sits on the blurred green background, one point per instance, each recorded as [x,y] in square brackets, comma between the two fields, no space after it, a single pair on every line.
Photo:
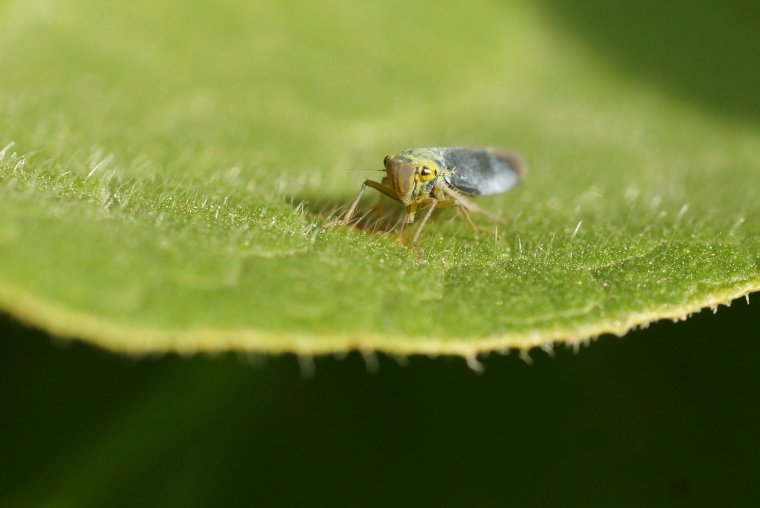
[702,51]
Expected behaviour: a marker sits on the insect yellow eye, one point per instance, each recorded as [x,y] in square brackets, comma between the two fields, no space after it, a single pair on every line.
[426,173]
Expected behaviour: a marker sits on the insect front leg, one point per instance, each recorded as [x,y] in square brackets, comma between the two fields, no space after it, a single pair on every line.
[346,218]
[380,205]
[406,218]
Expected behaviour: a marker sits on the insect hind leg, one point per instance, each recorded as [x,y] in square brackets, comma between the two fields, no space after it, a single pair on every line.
[465,207]
[472,207]
[466,216]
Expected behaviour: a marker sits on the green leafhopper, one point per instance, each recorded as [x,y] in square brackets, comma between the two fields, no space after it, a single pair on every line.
[433,178]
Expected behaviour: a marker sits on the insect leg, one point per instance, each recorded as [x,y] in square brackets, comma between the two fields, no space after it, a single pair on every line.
[406,218]
[433,203]
[472,207]
[465,206]
[385,189]
[346,218]
[380,206]
[351,209]
[463,203]
[466,215]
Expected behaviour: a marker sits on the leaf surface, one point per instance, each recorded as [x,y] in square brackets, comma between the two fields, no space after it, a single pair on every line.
[167,169]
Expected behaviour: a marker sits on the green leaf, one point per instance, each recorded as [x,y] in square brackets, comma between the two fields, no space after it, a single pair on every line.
[167,169]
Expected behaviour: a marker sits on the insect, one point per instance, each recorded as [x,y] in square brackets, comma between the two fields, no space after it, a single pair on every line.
[433,178]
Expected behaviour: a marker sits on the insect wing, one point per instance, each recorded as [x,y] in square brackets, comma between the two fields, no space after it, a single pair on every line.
[482,171]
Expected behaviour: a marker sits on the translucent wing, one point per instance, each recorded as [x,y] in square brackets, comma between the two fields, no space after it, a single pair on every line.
[482,171]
